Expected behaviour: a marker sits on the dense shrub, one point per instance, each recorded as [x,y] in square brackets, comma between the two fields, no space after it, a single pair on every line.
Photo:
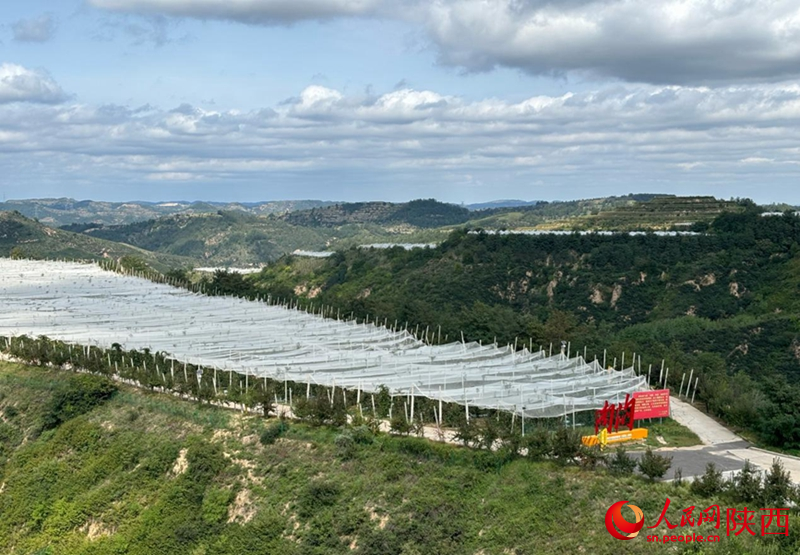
[621,463]
[746,485]
[81,394]
[362,435]
[777,486]
[205,459]
[399,424]
[538,443]
[320,410]
[272,432]
[317,495]
[566,445]
[709,484]
[345,446]
[653,465]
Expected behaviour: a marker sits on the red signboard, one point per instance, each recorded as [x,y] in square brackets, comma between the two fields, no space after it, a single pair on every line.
[651,404]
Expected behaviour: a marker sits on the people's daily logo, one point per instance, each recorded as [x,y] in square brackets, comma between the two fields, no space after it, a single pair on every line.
[618,526]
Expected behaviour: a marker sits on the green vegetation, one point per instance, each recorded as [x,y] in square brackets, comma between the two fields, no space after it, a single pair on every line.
[418,213]
[149,473]
[663,212]
[653,465]
[21,237]
[180,235]
[721,306]
[241,239]
[630,212]
[68,211]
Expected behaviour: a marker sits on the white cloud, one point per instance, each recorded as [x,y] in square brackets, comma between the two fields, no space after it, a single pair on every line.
[632,134]
[674,41]
[256,12]
[20,84]
[38,29]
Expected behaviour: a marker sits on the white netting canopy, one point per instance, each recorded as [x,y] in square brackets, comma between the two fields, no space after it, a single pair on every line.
[84,304]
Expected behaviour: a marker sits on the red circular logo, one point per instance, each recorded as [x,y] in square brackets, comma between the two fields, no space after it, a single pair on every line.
[620,528]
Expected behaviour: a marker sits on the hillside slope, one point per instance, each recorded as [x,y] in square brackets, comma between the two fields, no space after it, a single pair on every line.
[141,473]
[237,239]
[625,213]
[28,238]
[723,303]
[417,213]
[65,211]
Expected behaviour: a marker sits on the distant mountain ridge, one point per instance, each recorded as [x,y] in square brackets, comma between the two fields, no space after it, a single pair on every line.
[422,213]
[203,234]
[64,211]
[504,203]
[24,237]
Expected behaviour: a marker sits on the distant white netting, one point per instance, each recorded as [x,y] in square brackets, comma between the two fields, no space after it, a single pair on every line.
[84,304]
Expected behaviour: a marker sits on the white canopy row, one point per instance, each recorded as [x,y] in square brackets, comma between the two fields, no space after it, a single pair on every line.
[84,304]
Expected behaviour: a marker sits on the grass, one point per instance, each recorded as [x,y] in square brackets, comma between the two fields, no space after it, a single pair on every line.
[148,473]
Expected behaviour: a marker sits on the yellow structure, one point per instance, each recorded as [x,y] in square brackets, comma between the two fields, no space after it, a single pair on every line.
[604,437]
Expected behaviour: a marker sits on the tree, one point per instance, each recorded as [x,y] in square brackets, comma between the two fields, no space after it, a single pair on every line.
[653,465]
[746,486]
[710,483]
[777,485]
[621,463]
[566,445]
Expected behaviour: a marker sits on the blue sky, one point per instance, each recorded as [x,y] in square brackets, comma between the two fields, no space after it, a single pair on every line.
[462,100]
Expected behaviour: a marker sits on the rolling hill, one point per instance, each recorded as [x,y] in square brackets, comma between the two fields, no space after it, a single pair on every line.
[65,211]
[21,236]
[240,239]
[723,302]
[626,213]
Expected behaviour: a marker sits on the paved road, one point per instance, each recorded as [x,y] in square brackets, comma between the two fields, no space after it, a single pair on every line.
[720,446]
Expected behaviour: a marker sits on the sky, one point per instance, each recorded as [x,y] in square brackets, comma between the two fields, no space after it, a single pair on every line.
[460,100]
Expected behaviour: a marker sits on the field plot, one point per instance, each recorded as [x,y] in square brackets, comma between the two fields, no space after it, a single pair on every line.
[84,304]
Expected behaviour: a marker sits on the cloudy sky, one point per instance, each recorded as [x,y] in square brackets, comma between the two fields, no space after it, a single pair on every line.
[462,100]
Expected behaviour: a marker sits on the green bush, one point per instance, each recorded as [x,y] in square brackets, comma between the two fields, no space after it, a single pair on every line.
[215,505]
[777,486]
[345,446]
[205,460]
[362,435]
[621,463]
[653,465]
[272,432]
[317,495]
[746,485]
[566,445]
[399,425]
[81,394]
[709,484]
[319,410]
[538,443]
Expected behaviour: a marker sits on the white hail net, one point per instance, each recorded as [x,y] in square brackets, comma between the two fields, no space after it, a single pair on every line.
[84,304]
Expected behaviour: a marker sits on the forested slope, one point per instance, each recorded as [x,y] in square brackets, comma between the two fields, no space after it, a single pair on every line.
[724,302]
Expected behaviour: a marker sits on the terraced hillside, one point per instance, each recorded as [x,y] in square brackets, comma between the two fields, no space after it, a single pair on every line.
[658,213]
